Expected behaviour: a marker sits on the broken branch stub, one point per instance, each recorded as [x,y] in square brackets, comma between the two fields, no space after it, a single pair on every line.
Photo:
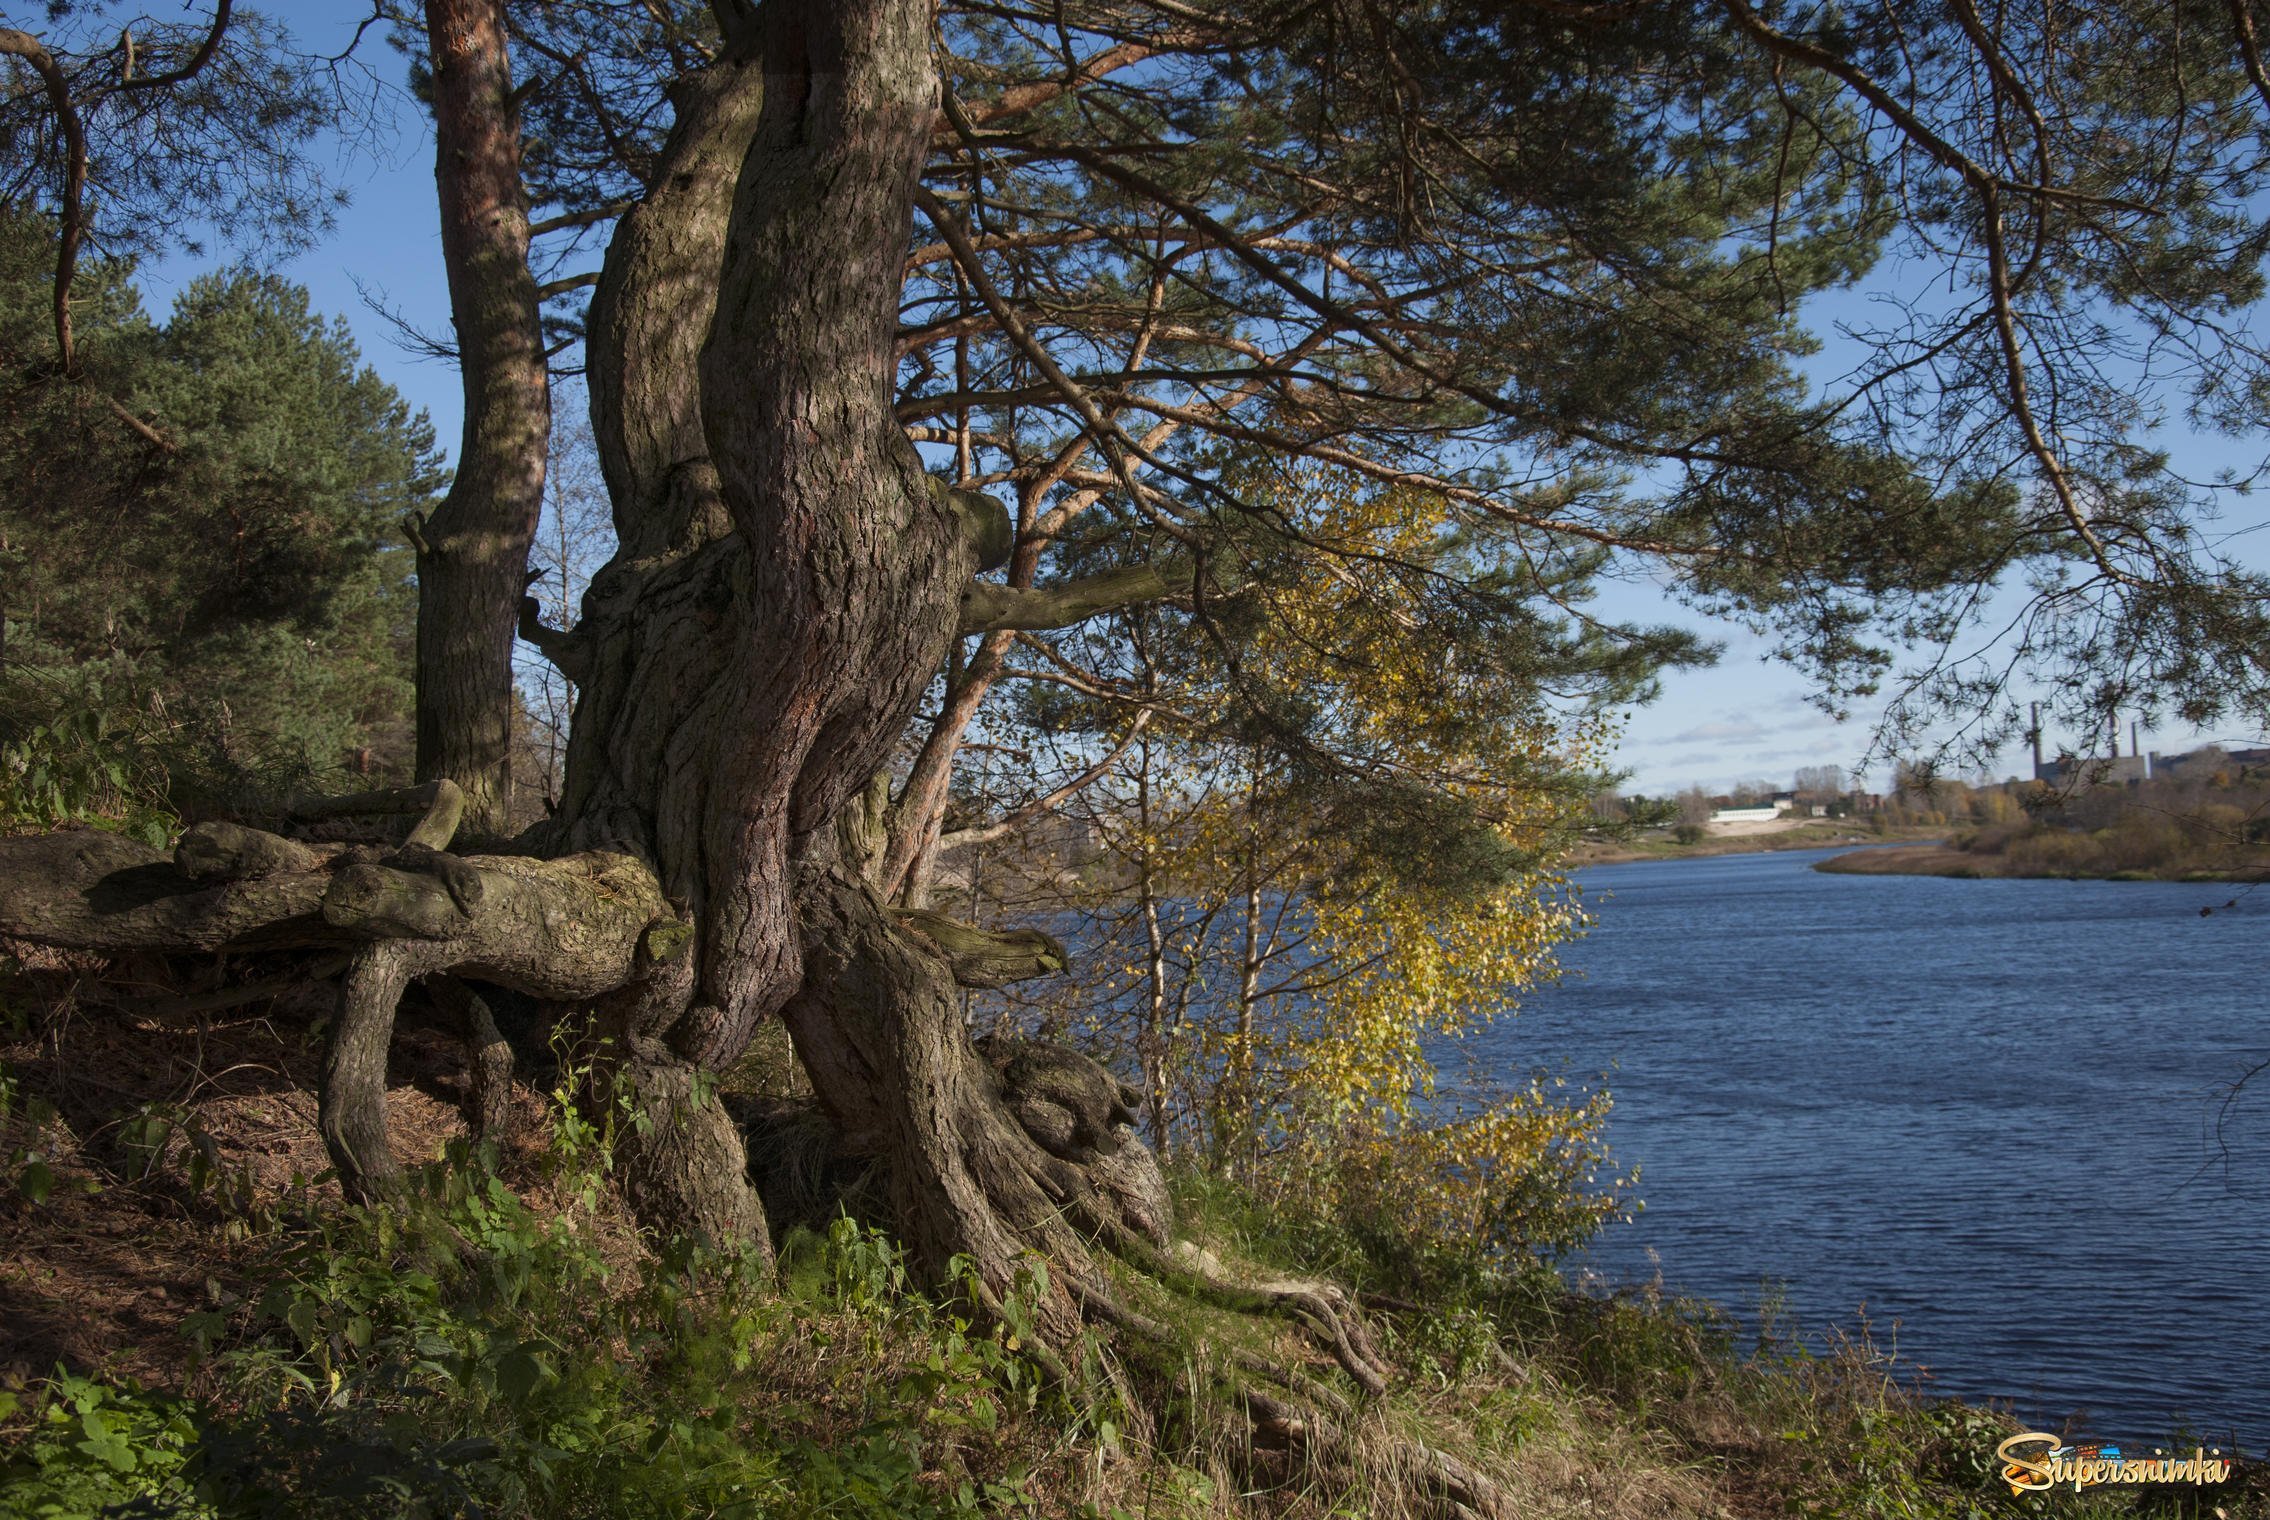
[986,958]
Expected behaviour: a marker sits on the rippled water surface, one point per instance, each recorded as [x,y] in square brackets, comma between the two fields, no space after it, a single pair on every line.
[1986,1110]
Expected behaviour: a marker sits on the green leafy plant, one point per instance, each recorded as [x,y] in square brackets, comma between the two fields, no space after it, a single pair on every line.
[77,764]
[84,1449]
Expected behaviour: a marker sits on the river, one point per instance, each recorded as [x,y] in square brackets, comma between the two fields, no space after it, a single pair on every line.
[1986,1114]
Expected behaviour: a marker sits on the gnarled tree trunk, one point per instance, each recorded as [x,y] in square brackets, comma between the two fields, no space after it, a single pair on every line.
[788,580]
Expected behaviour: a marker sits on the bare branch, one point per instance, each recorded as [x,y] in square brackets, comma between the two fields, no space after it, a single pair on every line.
[592,217]
[74,214]
[561,287]
[1010,822]
[197,60]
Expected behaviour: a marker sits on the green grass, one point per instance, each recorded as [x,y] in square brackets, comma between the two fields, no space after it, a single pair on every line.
[467,1354]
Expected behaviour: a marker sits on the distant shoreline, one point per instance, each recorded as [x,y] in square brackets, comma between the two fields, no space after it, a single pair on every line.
[1946,860]
[1812,834]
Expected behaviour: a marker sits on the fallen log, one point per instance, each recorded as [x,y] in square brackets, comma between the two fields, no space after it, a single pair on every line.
[83,889]
[566,930]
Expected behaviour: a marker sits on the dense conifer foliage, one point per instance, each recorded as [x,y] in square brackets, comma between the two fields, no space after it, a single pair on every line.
[239,596]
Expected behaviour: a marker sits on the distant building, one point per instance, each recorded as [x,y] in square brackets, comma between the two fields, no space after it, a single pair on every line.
[2122,770]
[2205,761]
[1763,812]
[2114,768]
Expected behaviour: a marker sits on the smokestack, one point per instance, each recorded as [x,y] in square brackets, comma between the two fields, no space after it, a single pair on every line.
[2035,734]
[2135,749]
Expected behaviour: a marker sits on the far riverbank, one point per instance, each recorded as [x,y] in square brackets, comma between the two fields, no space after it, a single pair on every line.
[1751,839]
[1953,860]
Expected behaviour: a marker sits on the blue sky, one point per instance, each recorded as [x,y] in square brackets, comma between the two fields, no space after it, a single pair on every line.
[1744,719]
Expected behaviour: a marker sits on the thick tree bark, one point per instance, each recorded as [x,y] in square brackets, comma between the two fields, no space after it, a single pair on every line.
[473,550]
[655,642]
[856,562]
[789,578]
[768,623]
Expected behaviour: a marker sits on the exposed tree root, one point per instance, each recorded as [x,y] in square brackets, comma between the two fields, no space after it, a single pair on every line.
[999,1153]
[1290,1413]
[1454,1487]
[570,929]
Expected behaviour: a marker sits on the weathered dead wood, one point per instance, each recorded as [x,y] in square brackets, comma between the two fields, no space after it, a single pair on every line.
[439,804]
[88,890]
[986,957]
[570,929]
[563,930]
[567,928]
[221,852]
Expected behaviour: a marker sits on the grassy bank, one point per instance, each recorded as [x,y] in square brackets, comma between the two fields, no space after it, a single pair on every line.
[2150,850]
[1812,834]
[193,1324]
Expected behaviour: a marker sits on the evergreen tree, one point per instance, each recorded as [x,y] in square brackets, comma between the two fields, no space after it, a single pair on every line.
[231,591]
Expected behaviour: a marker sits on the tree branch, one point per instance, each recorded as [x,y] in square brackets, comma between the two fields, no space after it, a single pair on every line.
[561,287]
[563,222]
[192,68]
[566,650]
[29,48]
[987,607]
[1001,827]
[966,257]
[1026,97]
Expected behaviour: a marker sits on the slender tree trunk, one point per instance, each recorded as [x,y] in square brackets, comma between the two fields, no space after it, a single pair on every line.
[1153,1042]
[1236,1136]
[473,550]
[1248,995]
[920,811]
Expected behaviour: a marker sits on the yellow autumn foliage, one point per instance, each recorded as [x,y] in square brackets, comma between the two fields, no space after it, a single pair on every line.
[1328,981]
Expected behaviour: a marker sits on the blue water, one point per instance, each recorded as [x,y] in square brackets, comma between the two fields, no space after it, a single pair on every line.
[1986,1114]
